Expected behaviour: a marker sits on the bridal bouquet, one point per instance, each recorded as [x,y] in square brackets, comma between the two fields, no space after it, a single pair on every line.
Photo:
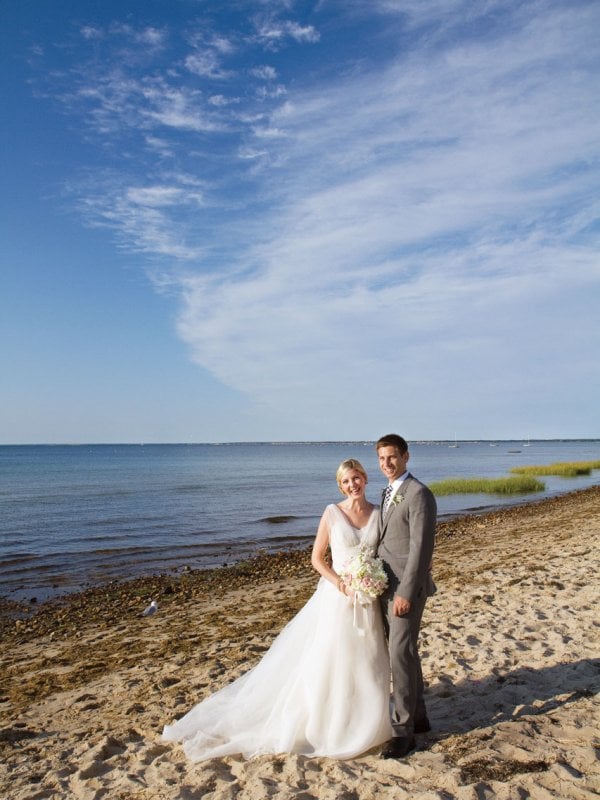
[364,574]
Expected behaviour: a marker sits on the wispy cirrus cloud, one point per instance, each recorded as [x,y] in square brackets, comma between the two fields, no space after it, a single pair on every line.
[127,37]
[150,219]
[265,72]
[117,101]
[147,37]
[425,213]
[209,52]
[422,214]
[272,32]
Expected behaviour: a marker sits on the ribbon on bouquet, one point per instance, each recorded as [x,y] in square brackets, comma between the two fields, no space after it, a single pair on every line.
[363,612]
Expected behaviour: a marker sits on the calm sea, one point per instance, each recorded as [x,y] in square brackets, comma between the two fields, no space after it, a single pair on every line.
[72,516]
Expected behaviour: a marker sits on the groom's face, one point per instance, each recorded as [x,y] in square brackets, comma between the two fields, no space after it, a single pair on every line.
[392,462]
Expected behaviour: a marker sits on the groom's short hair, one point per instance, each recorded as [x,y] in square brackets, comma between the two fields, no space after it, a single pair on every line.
[392,440]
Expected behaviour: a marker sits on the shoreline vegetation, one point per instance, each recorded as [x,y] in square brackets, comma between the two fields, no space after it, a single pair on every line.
[565,469]
[510,648]
[524,483]
[502,486]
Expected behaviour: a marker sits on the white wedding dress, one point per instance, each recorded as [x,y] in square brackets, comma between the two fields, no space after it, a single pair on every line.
[322,689]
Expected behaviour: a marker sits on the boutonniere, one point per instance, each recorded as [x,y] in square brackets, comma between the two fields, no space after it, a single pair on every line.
[397,499]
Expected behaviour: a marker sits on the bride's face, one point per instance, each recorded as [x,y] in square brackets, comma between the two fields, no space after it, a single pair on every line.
[353,483]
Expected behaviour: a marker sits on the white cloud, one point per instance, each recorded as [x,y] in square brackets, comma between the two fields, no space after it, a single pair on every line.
[150,36]
[118,102]
[432,215]
[302,33]
[270,92]
[268,132]
[148,219]
[160,196]
[220,100]
[222,44]
[91,32]
[249,153]
[440,15]
[264,72]
[272,32]
[208,53]
[176,109]
[208,65]
[159,145]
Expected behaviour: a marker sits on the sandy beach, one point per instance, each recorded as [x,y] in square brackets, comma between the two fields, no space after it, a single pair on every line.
[510,646]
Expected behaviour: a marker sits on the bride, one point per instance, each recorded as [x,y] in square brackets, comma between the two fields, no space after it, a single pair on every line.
[322,689]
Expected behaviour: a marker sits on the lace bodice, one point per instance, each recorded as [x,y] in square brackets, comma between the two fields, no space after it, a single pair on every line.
[345,539]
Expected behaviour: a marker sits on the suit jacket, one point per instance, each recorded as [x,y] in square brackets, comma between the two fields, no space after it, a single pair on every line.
[406,540]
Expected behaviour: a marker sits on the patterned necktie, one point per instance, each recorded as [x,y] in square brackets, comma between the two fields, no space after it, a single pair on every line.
[386,498]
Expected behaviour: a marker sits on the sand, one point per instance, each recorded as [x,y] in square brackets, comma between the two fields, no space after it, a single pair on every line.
[510,646]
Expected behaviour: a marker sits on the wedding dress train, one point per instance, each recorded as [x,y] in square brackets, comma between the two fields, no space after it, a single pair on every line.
[322,689]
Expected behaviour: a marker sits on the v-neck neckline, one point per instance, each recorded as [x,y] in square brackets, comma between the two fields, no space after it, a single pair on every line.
[347,518]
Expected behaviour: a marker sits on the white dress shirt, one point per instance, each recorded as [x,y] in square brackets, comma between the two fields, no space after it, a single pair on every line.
[396,484]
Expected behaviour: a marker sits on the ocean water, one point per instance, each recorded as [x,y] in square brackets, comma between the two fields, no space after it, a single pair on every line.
[73,516]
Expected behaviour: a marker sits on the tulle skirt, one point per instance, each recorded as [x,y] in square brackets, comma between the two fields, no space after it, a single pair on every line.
[322,689]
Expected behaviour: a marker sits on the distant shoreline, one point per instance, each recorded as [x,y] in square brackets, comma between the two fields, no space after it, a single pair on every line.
[361,442]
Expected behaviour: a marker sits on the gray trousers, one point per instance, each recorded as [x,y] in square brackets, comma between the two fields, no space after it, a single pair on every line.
[402,633]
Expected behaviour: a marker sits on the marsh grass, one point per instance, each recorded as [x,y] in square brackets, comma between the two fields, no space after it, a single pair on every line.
[565,469]
[523,484]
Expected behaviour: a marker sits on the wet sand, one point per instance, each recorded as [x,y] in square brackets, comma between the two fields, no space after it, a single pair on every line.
[510,645]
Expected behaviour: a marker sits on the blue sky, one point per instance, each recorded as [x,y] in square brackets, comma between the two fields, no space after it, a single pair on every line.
[243,221]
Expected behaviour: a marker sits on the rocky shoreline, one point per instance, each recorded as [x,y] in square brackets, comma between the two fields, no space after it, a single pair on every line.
[109,602]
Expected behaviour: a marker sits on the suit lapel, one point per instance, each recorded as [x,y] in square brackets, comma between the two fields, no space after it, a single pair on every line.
[392,507]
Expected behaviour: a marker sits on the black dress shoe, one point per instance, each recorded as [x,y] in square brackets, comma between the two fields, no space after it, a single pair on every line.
[422,725]
[398,747]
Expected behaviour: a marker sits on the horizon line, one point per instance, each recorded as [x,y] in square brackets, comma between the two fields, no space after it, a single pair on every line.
[294,441]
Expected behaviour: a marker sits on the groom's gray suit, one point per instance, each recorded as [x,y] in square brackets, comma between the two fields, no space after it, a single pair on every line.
[406,540]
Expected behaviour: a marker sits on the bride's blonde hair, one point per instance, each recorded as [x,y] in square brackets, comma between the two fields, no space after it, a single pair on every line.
[349,463]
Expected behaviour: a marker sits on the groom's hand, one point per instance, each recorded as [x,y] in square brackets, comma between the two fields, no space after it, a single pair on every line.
[401,606]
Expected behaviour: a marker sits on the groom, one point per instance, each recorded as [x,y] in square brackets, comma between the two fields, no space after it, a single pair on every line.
[406,539]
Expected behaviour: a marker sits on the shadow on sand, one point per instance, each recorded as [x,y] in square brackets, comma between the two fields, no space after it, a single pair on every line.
[503,696]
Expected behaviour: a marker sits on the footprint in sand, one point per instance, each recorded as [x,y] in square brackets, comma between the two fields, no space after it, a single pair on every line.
[96,761]
[154,752]
[136,708]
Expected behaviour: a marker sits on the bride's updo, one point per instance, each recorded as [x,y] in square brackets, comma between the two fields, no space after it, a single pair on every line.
[349,463]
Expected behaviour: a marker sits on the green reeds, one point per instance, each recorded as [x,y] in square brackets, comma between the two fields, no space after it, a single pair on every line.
[518,485]
[565,469]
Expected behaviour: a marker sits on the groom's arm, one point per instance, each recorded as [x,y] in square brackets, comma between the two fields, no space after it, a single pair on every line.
[421,521]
